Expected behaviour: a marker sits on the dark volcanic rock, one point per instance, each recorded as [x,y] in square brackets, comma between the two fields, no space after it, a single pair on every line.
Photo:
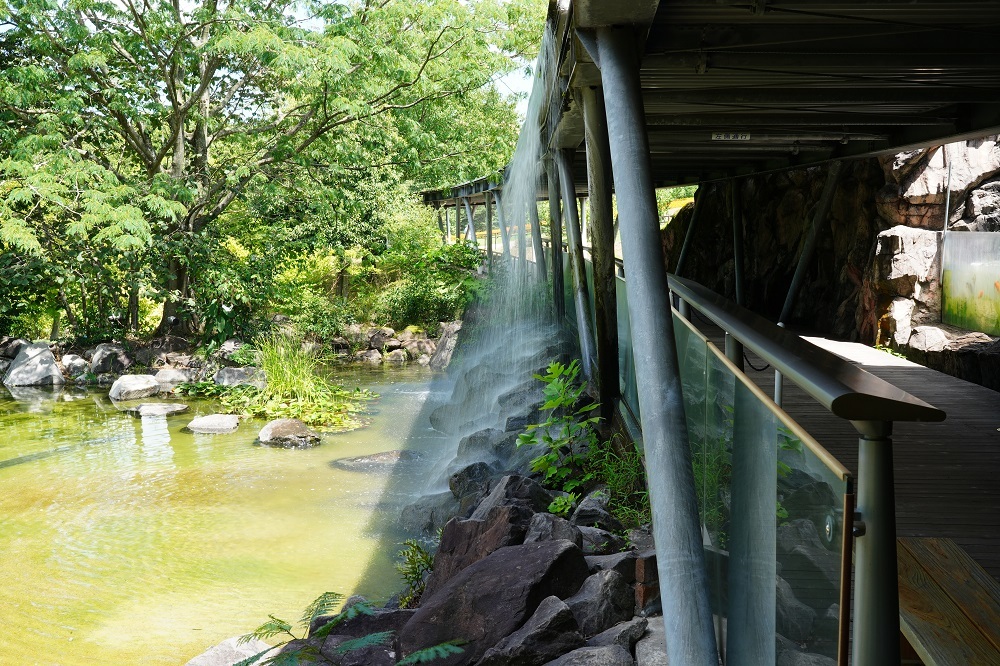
[604,600]
[514,489]
[549,633]
[388,619]
[623,563]
[471,479]
[600,542]
[625,634]
[547,527]
[465,542]
[593,512]
[613,655]
[492,598]
[429,513]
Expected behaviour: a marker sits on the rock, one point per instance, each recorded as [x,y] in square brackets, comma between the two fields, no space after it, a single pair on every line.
[514,489]
[493,597]
[798,532]
[229,652]
[109,357]
[604,600]
[928,339]
[641,538]
[340,344]
[423,360]
[171,377]
[384,461]
[549,633]
[429,513]
[625,634]
[417,348]
[547,527]
[593,512]
[600,542]
[471,479]
[465,542]
[814,574]
[793,618]
[372,356]
[10,346]
[5,363]
[214,424]
[244,376]
[157,409]
[229,347]
[787,653]
[396,357]
[446,344]
[75,365]
[613,655]
[478,445]
[288,434]
[900,322]
[651,650]
[623,563]
[34,365]
[133,387]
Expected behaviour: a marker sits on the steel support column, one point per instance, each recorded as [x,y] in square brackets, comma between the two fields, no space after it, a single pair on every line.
[687,615]
[555,234]
[470,214]
[489,232]
[699,197]
[602,247]
[581,293]
[876,590]
[502,223]
[536,241]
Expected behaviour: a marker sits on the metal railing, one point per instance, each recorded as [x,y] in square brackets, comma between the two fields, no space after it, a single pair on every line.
[871,405]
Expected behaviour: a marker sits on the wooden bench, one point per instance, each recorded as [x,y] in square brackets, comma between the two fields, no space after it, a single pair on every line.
[949,607]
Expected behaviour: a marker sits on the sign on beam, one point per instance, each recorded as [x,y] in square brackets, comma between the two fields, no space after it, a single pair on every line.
[730,136]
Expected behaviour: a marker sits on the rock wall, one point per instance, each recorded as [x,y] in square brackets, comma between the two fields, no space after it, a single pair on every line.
[875,274]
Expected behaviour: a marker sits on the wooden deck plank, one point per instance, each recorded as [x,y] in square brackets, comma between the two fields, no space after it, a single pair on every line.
[933,623]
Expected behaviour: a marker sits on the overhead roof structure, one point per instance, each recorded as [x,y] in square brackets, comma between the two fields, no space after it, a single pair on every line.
[736,87]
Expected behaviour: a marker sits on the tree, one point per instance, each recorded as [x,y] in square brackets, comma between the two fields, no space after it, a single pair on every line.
[133,127]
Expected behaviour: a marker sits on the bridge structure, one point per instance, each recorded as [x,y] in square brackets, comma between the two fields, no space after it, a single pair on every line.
[641,94]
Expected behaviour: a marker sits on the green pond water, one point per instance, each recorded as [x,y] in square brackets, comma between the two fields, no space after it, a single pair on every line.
[127,541]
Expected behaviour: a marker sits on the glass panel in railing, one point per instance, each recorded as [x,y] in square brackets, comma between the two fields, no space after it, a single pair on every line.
[971,280]
[626,364]
[810,542]
[568,290]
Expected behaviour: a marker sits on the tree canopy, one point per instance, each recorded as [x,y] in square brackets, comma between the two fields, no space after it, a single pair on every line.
[140,140]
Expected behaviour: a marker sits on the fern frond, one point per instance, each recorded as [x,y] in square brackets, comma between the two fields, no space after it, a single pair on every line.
[272,627]
[379,638]
[360,608]
[324,604]
[439,651]
[250,661]
[297,657]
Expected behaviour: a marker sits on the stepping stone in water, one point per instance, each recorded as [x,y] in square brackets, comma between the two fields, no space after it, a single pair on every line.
[375,461]
[214,424]
[157,409]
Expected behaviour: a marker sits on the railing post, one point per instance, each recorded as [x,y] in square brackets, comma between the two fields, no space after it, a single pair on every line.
[536,241]
[602,246]
[581,295]
[876,589]
[687,613]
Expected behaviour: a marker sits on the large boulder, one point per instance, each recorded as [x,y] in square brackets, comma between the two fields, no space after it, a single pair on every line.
[288,434]
[34,365]
[109,357]
[229,652]
[547,527]
[446,344]
[75,365]
[429,513]
[604,600]
[593,512]
[470,480]
[243,376]
[171,377]
[612,655]
[465,542]
[549,633]
[10,346]
[396,357]
[626,634]
[492,598]
[157,409]
[134,387]
[793,619]
[214,424]
[514,489]
[372,356]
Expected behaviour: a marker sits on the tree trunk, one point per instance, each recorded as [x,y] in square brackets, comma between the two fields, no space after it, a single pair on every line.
[133,308]
[70,317]
[173,320]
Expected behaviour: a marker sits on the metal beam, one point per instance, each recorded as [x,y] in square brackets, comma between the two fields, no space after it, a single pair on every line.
[555,234]
[603,246]
[687,614]
[581,295]
[699,199]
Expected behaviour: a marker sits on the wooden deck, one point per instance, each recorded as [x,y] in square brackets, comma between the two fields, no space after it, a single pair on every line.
[947,474]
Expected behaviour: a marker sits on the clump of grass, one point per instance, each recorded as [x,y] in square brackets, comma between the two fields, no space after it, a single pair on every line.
[294,389]
[620,467]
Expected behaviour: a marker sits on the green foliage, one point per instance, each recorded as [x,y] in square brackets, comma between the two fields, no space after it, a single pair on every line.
[378,638]
[245,355]
[620,467]
[427,655]
[568,434]
[294,389]
[416,562]
[562,505]
[324,604]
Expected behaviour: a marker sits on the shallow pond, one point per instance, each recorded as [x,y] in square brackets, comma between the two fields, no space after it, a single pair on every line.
[127,541]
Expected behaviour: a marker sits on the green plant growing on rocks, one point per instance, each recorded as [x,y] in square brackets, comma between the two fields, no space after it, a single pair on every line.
[569,433]
[564,504]
[416,562]
[620,467]
[306,653]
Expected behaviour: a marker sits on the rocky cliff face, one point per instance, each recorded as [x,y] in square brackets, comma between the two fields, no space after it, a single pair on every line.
[875,275]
